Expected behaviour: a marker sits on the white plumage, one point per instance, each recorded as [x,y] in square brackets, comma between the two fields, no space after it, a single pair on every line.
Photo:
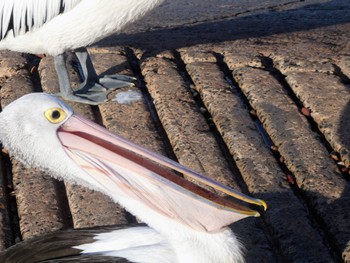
[185,224]
[53,27]
[18,17]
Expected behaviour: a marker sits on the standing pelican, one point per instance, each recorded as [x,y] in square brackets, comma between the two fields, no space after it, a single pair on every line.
[185,222]
[56,26]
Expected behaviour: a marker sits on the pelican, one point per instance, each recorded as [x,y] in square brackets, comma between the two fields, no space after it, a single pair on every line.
[53,27]
[185,223]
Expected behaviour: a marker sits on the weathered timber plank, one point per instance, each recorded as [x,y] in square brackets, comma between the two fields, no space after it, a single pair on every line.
[188,132]
[328,99]
[290,63]
[286,216]
[316,175]
[193,143]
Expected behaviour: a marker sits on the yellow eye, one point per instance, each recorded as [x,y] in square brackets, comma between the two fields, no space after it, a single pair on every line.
[55,115]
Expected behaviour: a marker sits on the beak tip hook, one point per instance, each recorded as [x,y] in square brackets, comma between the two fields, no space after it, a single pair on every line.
[263,203]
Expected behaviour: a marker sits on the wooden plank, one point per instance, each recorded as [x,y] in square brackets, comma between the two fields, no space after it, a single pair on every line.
[316,174]
[193,143]
[287,218]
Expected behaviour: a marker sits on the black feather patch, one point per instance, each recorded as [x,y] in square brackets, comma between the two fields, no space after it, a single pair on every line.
[58,247]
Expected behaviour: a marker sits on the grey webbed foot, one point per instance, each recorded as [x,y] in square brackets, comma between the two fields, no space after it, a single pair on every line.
[97,92]
[116,81]
[94,89]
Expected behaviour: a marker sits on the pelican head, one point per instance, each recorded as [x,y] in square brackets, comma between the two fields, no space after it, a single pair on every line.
[44,132]
[29,131]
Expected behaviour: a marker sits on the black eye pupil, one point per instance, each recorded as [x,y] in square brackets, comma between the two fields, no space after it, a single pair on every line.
[55,114]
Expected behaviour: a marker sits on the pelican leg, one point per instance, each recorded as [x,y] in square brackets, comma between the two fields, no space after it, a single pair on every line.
[66,92]
[94,87]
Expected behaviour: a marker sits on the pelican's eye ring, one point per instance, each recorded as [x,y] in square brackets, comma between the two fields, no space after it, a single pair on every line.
[55,115]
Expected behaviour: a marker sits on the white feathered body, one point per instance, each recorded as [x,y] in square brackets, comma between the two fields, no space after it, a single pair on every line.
[146,245]
[45,26]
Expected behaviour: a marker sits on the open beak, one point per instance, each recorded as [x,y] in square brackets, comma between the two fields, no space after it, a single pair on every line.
[120,167]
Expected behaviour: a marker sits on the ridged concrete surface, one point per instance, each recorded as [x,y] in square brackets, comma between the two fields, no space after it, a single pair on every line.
[259,102]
